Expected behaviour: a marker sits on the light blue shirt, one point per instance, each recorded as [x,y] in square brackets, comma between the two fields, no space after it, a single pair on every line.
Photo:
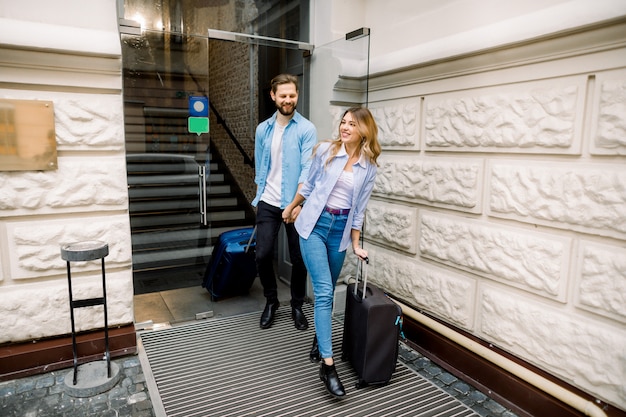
[321,181]
[298,140]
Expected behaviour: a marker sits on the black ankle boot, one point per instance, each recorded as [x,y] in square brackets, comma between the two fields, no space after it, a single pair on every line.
[314,355]
[267,317]
[328,375]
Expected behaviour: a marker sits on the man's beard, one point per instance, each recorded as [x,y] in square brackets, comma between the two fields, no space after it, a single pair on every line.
[286,113]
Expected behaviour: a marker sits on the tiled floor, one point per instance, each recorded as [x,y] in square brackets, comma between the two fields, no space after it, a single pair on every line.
[183,304]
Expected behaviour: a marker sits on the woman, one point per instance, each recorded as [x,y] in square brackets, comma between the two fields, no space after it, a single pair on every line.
[336,191]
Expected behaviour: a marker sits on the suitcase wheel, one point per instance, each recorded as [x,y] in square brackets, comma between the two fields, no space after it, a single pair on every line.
[360,384]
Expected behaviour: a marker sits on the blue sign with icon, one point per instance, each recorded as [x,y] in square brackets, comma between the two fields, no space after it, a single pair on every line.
[198,120]
[198,106]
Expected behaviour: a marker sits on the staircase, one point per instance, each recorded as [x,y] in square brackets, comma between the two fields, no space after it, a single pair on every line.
[171,247]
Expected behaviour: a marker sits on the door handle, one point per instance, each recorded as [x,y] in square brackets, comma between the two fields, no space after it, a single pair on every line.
[202,194]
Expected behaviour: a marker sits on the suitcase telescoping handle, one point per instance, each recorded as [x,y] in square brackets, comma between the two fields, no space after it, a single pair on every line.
[359,263]
[250,240]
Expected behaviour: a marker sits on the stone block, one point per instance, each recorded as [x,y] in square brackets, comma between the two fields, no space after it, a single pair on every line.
[536,262]
[601,284]
[339,302]
[398,123]
[609,117]
[450,183]
[583,352]
[581,197]
[34,311]
[440,292]
[37,244]
[392,224]
[78,185]
[529,117]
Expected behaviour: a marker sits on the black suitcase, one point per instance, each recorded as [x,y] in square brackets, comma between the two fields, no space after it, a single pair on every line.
[371,332]
[232,268]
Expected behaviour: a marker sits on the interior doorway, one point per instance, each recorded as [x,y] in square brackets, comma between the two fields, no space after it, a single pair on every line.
[186,187]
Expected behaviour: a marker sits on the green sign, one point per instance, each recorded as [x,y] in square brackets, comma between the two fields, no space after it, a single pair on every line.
[198,125]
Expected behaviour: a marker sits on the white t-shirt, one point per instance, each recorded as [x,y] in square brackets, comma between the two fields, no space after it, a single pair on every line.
[341,195]
[271,192]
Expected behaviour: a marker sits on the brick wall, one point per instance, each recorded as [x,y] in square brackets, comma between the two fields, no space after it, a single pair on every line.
[236,101]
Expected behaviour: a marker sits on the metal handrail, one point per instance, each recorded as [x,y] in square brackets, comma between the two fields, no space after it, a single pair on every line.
[222,121]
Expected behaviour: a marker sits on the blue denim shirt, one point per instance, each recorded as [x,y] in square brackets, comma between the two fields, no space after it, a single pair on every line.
[299,138]
[321,181]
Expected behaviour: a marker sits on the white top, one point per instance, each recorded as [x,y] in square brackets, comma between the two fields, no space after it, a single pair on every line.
[271,193]
[341,195]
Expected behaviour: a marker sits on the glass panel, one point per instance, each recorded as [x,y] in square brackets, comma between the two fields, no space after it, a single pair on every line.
[162,70]
[282,19]
[171,245]
[241,105]
[340,72]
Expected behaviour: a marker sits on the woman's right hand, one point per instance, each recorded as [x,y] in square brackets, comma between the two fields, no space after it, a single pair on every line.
[361,253]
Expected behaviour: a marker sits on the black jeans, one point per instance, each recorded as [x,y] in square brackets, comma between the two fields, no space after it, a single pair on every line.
[268,221]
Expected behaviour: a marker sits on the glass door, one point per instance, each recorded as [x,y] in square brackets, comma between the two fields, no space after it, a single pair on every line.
[338,73]
[259,59]
[168,166]
[186,187]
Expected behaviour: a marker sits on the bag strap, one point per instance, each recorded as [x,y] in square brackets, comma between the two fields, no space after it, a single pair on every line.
[251,239]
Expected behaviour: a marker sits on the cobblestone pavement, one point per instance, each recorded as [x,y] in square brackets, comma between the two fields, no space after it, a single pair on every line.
[44,395]
[467,394]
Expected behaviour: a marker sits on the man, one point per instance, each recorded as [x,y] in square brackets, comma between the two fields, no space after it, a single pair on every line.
[283,146]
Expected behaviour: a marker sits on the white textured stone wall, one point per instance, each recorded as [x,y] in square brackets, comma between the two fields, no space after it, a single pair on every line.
[500,203]
[86,198]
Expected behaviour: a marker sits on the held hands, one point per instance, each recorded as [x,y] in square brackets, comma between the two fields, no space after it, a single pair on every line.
[290,214]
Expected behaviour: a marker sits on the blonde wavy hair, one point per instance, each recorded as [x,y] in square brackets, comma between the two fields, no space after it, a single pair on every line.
[368,130]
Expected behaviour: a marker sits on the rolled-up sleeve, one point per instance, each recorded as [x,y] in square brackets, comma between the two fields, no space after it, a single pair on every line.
[312,176]
[363,198]
[308,142]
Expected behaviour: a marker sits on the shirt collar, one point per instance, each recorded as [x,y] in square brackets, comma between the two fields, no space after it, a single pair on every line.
[295,118]
[342,152]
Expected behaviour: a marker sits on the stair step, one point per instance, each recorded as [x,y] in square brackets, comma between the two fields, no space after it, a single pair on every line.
[151,180]
[157,239]
[163,192]
[164,205]
[190,191]
[152,259]
[152,250]
[154,221]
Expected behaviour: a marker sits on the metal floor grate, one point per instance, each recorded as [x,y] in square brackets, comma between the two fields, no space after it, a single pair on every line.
[231,367]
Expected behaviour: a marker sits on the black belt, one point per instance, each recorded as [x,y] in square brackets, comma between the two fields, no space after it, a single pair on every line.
[339,212]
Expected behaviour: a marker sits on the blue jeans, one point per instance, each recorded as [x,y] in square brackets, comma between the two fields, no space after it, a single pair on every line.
[324,261]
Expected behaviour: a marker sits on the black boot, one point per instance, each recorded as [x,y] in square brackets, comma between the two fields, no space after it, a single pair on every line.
[328,375]
[299,318]
[267,317]
[314,355]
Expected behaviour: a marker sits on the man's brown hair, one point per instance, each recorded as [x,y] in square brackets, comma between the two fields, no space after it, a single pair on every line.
[284,79]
